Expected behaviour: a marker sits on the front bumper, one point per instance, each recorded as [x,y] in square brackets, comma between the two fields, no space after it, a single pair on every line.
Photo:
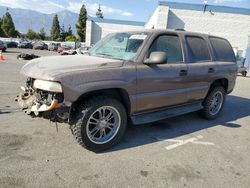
[38,103]
[44,107]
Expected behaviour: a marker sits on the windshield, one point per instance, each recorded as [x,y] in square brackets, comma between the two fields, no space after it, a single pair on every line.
[119,45]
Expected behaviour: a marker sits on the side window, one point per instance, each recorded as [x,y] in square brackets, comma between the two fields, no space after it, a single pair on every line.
[169,44]
[197,49]
[223,50]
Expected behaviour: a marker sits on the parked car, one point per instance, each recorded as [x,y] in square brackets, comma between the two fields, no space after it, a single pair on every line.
[3,46]
[82,50]
[40,46]
[69,52]
[53,47]
[62,48]
[140,76]
[12,44]
[243,65]
[241,68]
[25,44]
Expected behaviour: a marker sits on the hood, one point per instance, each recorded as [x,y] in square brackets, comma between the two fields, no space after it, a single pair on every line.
[49,68]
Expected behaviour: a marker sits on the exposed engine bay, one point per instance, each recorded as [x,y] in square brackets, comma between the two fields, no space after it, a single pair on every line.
[41,103]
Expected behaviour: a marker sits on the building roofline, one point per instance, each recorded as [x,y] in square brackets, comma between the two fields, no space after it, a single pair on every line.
[200,7]
[113,21]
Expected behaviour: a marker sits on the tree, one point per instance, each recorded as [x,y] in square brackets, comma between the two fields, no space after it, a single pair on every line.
[55,28]
[8,26]
[69,32]
[1,31]
[42,34]
[81,25]
[99,13]
[32,34]
[71,38]
[63,34]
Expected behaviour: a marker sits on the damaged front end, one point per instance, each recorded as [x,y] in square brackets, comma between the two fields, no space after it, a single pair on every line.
[43,99]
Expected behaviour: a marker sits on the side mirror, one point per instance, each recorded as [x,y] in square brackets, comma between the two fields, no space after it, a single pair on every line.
[157,58]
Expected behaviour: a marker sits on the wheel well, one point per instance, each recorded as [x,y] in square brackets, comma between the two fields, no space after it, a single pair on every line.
[117,93]
[220,82]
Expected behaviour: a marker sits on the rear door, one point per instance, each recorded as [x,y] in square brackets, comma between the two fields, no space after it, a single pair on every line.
[201,67]
[162,85]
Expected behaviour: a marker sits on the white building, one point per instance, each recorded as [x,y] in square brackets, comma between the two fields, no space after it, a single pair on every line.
[98,28]
[228,22]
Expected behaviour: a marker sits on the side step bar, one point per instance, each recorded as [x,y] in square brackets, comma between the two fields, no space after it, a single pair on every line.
[166,113]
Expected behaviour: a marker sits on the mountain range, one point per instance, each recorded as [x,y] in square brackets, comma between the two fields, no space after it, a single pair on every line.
[29,19]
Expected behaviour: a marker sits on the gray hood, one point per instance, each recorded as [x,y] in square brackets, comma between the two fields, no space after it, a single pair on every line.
[48,68]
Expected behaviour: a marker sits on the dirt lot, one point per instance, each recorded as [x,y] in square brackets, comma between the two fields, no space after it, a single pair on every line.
[186,151]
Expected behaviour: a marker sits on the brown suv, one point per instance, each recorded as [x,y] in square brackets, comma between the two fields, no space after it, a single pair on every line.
[140,76]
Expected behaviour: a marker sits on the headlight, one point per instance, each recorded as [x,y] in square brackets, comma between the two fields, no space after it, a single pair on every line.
[48,86]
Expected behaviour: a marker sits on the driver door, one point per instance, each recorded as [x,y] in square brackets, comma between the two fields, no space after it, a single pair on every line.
[162,85]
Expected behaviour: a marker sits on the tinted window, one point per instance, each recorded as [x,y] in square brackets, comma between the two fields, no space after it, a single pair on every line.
[197,49]
[169,44]
[222,49]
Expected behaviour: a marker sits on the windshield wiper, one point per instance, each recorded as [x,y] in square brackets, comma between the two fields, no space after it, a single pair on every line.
[103,54]
[108,55]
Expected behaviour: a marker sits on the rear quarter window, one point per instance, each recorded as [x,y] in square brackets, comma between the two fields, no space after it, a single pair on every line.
[222,49]
[197,49]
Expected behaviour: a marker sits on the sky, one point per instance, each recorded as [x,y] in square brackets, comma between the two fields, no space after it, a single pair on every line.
[137,10]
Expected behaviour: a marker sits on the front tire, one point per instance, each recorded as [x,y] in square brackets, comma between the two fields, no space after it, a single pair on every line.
[213,103]
[100,122]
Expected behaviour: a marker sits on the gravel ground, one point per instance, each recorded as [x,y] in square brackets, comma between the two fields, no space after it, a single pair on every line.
[211,154]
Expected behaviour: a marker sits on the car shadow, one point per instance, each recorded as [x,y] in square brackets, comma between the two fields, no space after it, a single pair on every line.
[11,52]
[9,110]
[5,112]
[135,136]
[243,76]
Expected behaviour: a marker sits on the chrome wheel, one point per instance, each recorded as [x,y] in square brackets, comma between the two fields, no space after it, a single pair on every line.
[103,124]
[216,103]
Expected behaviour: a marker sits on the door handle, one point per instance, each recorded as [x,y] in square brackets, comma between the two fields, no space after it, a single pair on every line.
[183,73]
[211,70]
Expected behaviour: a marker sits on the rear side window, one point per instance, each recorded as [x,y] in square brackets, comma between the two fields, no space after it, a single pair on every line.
[197,49]
[222,49]
[169,44]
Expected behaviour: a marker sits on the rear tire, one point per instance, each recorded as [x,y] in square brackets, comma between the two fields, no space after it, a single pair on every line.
[213,103]
[244,73]
[93,126]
